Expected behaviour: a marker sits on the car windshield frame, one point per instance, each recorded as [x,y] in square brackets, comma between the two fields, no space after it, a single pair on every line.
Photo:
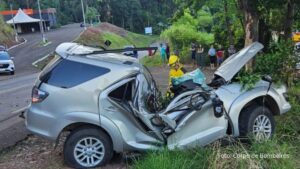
[4,56]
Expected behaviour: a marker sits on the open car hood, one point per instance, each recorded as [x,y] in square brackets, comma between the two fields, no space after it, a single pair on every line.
[232,65]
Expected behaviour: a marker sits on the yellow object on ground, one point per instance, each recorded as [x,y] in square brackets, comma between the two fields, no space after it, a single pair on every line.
[296,37]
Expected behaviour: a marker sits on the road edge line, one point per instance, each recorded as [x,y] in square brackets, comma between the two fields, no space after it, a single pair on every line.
[25,41]
[15,113]
[40,59]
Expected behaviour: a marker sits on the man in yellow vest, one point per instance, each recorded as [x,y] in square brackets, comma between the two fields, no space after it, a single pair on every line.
[176,68]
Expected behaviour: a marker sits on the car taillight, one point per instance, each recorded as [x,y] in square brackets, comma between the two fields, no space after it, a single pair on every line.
[38,95]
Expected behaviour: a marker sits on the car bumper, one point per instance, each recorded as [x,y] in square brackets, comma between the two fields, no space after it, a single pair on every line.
[9,69]
[40,123]
[285,108]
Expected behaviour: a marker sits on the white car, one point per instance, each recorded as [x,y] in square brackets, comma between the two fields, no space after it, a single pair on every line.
[6,63]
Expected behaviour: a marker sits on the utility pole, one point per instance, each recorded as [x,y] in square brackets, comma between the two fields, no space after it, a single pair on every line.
[12,16]
[83,15]
[41,23]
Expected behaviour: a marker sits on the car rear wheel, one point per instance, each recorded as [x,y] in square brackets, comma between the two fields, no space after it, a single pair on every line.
[87,148]
[257,122]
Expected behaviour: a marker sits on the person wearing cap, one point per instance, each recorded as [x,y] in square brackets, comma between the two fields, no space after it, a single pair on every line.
[176,68]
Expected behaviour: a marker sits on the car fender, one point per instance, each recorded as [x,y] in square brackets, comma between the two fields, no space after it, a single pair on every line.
[98,120]
[235,102]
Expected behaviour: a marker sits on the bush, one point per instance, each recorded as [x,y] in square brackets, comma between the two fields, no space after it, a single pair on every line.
[280,63]
[188,29]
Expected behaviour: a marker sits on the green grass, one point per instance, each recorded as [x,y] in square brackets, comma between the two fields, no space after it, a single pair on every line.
[6,32]
[151,61]
[41,64]
[118,42]
[286,143]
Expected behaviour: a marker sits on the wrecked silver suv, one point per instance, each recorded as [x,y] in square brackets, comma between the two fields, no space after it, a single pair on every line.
[109,103]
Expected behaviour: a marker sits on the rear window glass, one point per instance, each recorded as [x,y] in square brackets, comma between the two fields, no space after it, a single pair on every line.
[67,74]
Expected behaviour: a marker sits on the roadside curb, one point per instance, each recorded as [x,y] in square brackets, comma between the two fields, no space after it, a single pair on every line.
[78,35]
[35,62]
[25,40]
[14,113]
[39,60]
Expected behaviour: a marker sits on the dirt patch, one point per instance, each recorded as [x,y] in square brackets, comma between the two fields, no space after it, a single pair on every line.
[107,27]
[35,152]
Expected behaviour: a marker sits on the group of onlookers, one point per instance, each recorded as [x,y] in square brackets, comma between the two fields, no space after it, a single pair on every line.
[216,57]
[198,56]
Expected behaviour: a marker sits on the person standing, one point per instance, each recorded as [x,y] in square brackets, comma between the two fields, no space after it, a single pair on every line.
[193,50]
[231,50]
[163,53]
[220,56]
[212,56]
[200,56]
[168,51]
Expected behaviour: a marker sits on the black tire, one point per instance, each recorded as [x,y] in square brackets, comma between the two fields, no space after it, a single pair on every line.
[248,118]
[87,132]
[12,72]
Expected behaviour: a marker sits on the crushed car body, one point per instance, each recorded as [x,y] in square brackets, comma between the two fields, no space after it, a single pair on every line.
[113,101]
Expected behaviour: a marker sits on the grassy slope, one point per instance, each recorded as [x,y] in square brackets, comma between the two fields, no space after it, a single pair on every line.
[286,142]
[97,38]
[5,32]
[152,61]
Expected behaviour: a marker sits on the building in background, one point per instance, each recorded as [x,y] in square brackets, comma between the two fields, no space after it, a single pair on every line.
[27,20]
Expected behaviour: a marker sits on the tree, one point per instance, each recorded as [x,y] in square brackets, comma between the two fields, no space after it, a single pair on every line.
[91,14]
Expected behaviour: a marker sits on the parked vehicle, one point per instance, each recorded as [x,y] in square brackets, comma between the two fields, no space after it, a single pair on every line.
[2,48]
[6,63]
[110,103]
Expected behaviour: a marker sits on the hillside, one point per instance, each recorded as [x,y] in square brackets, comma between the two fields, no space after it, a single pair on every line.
[6,33]
[96,36]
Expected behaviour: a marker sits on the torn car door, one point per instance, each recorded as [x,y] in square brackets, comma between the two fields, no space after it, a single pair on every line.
[197,126]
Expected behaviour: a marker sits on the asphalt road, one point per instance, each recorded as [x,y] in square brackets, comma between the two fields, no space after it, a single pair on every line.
[29,52]
[15,91]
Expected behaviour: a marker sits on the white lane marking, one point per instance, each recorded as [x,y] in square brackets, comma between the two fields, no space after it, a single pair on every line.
[16,88]
[35,62]
[20,110]
[25,40]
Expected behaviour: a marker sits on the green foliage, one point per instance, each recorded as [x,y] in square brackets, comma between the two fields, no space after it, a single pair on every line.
[6,32]
[188,29]
[97,37]
[132,15]
[226,157]
[248,80]
[91,13]
[176,159]
[280,62]
[151,61]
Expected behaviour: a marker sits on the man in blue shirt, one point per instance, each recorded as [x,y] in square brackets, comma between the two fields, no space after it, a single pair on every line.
[212,56]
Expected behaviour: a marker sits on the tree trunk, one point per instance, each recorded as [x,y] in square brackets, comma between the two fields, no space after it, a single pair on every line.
[230,33]
[265,33]
[289,20]
[251,25]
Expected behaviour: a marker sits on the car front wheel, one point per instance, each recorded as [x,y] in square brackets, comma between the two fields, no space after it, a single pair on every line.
[258,122]
[87,148]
